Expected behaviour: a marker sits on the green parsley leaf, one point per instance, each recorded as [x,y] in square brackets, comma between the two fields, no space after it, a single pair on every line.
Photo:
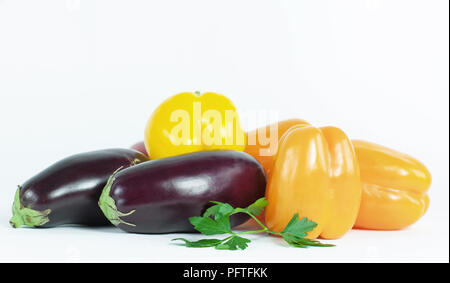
[195,220]
[291,240]
[216,220]
[299,227]
[204,243]
[234,243]
[208,226]
[219,210]
[258,206]
[303,242]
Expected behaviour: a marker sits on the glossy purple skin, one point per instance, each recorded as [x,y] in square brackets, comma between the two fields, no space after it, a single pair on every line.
[140,146]
[165,192]
[71,187]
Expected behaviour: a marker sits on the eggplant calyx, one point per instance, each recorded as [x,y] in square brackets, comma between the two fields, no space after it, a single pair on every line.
[24,216]
[134,162]
[108,205]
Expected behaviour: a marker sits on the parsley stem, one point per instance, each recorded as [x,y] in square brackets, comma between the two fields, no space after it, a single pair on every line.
[252,232]
[265,228]
[254,218]
[223,240]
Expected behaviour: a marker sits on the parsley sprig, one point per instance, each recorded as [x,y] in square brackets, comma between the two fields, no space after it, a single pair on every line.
[216,221]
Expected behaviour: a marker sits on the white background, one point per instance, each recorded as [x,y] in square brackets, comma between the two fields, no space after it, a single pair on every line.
[85,75]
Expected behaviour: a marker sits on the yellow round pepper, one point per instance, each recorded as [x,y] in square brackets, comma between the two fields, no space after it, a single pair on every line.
[190,122]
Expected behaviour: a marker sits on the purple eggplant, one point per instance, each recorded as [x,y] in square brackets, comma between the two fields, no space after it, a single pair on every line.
[68,191]
[159,196]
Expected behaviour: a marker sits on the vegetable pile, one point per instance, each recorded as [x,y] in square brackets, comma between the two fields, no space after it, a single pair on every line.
[198,171]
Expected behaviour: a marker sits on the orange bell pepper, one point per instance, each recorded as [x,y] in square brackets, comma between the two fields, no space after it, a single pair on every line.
[394,188]
[316,175]
[345,183]
[255,145]
[394,185]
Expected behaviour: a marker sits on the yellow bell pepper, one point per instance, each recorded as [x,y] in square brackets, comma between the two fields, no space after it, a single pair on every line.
[395,187]
[191,122]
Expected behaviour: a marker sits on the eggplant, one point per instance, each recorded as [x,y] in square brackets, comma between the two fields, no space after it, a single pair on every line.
[160,195]
[68,191]
[140,146]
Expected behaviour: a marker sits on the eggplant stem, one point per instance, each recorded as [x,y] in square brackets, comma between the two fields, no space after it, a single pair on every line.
[108,205]
[25,216]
